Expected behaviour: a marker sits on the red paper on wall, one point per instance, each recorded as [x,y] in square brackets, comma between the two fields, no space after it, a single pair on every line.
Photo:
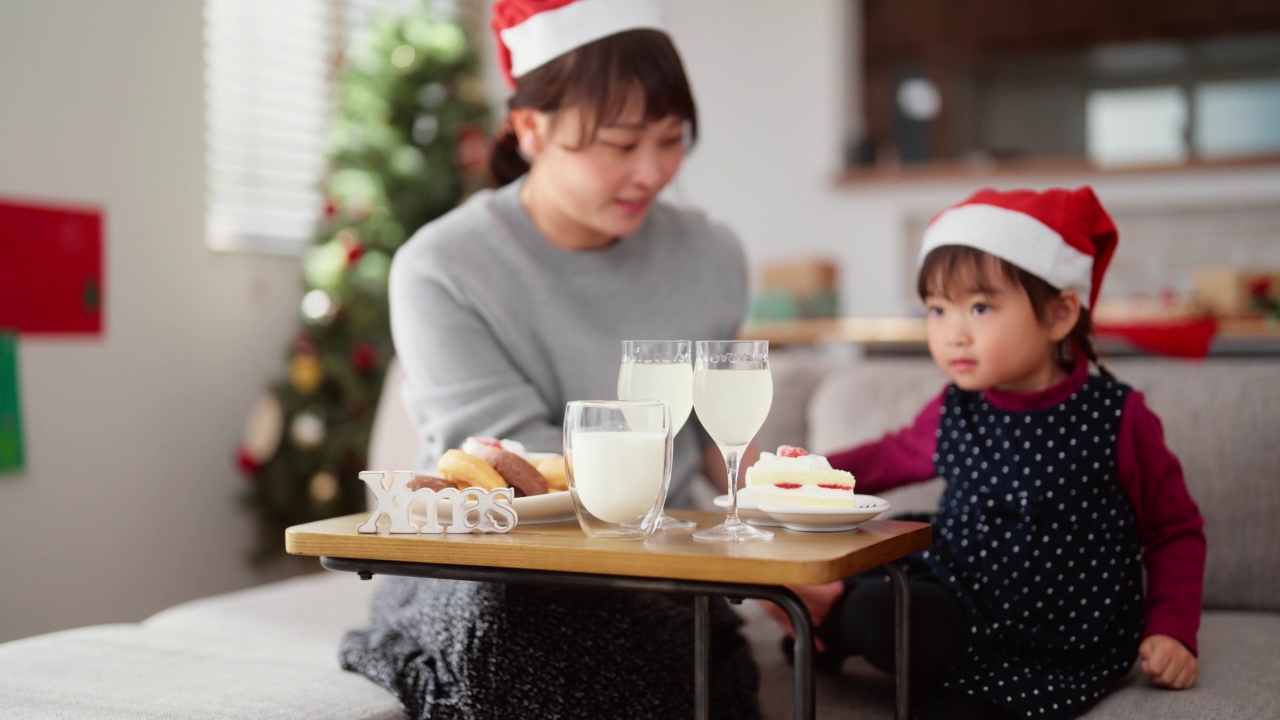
[50,268]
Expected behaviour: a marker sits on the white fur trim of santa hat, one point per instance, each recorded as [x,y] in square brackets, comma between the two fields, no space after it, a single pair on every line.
[551,33]
[1016,237]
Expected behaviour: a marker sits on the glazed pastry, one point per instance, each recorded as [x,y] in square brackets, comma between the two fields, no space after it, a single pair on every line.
[552,469]
[431,482]
[469,471]
[517,471]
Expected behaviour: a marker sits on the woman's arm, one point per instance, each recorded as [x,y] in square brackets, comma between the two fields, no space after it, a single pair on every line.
[459,379]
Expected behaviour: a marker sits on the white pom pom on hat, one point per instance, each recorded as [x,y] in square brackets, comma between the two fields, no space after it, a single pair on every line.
[1061,236]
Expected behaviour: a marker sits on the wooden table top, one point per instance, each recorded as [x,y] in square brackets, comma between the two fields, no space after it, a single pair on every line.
[792,557]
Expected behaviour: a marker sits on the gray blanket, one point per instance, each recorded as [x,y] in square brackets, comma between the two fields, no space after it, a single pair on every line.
[453,650]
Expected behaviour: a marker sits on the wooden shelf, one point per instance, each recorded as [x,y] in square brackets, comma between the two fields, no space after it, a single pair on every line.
[1250,336]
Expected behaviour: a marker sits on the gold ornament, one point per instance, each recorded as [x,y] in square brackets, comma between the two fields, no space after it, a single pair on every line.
[305,373]
[323,487]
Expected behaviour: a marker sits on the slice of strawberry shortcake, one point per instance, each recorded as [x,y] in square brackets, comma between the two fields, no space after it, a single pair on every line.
[793,477]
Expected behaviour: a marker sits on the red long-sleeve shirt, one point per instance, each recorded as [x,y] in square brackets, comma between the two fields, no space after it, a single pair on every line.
[1170,526]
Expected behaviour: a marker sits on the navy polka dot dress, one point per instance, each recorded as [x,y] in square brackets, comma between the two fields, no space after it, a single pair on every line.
[1038,540]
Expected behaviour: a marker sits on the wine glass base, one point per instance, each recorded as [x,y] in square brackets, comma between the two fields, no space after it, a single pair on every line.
[665,522]
[733,531]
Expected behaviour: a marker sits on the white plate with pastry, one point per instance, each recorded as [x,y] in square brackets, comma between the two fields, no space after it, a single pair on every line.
[490,464]
[826,519]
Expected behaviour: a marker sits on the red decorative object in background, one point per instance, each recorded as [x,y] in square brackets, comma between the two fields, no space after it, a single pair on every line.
[363,357]
[248,464]
[1184,338]
[50,268]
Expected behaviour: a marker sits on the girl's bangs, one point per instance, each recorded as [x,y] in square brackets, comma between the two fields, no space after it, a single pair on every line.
[954,271]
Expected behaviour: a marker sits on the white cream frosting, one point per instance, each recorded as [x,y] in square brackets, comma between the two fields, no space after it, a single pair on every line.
[770,462]
[473,446]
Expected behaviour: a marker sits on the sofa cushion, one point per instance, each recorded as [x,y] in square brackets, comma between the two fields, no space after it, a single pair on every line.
[315,609]
[1219,418]
[132,672]
[1239,661]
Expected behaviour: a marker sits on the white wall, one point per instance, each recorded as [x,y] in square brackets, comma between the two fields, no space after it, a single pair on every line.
[127,504]
[101,103]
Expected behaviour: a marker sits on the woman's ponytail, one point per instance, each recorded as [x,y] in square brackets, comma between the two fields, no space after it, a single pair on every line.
[505,161]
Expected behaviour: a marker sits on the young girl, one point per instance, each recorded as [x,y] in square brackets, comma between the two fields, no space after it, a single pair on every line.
[1060,490]
[516,303]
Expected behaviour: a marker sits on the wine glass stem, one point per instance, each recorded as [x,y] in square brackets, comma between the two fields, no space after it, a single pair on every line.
[732,454]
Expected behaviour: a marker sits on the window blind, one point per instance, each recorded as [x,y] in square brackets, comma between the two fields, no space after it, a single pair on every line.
[271,77]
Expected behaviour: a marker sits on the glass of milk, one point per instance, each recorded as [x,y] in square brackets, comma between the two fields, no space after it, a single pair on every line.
[618,462]
[660,370]
[732,393]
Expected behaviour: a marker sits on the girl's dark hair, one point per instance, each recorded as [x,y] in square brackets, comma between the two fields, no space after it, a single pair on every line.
[951,270]
[599,78]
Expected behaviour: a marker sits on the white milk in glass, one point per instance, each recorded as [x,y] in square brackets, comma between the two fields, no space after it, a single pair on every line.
[732,404]
[618,475]
[671,383]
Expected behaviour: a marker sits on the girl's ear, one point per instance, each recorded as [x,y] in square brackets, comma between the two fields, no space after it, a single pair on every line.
[529,126]
[1063,314]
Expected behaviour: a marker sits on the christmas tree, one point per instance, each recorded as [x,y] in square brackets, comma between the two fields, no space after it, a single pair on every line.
[407,144]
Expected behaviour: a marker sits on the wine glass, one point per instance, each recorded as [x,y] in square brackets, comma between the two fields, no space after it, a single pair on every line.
[660,370]
[732,392]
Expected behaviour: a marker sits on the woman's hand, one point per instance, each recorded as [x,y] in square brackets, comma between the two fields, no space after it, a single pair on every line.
[1168,662]
[817,599]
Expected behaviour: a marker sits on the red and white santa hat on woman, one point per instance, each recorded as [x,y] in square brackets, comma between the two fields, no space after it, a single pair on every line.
[1063,237]
[531,33]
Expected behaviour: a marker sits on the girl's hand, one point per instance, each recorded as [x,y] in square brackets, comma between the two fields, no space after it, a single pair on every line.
[817,599]
[1168,662]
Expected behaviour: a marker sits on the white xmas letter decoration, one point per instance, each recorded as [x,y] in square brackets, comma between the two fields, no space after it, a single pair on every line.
[469,510]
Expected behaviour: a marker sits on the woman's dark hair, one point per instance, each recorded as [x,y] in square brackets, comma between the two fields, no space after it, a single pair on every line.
[599,78]
[951,270]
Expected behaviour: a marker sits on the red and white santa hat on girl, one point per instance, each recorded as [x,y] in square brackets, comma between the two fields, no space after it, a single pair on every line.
[1063,237]
[531,33]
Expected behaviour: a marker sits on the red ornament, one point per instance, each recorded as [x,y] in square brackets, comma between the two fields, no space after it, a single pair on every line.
[363,357]
[247,463]
[1260,287]
[330,208]
[355,251]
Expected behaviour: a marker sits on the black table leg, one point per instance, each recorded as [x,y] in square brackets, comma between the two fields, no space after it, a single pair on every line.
[701,657]
[902,638]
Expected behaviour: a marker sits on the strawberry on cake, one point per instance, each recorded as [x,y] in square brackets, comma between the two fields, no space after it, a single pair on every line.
[795,478]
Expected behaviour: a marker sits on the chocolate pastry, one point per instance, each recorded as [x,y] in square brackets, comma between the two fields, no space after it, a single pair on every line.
[517,471]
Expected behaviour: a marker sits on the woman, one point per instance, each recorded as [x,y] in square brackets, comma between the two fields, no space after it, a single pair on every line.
[517,302]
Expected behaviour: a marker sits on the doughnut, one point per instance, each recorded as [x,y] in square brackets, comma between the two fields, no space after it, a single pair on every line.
[431,482]
[517,471]
[469,471]
[552,469]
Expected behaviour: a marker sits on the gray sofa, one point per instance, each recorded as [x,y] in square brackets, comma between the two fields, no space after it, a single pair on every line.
[270,651]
